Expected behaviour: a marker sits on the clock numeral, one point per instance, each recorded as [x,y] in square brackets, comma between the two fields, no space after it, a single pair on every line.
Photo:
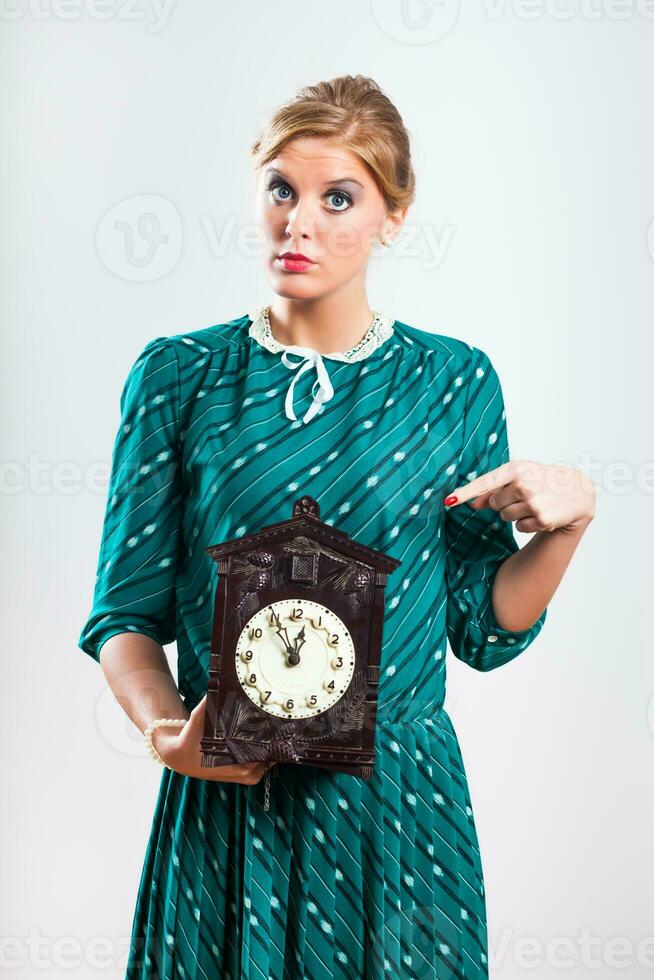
[266,695]
[252,679]
[272,619]
[248,655]
[290,704]
[256,634]
[334,638]
[297,614]
[331,685]
[339,662]
[313,699]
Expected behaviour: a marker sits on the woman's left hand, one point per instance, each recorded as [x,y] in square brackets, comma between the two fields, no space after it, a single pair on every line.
[538,497]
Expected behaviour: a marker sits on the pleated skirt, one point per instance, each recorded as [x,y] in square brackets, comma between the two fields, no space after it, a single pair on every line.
[340,878]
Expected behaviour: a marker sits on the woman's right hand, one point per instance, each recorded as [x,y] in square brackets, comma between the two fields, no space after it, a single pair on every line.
[180,750]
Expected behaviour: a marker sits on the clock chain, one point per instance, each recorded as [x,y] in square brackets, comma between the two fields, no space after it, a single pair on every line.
[266,786]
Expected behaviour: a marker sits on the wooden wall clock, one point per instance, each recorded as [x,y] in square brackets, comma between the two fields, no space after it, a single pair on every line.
[296,646]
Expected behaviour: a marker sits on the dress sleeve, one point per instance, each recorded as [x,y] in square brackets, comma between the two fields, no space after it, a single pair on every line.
[478,541]
[135,578]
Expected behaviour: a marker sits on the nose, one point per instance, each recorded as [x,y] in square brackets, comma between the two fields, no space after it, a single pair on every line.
[301,221]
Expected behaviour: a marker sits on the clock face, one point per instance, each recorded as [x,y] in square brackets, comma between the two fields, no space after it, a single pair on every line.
[295,658]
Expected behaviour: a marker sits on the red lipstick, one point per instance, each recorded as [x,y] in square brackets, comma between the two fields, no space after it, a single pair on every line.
[295,261]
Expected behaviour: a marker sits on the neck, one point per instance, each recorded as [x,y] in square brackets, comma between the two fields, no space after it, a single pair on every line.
[327,325]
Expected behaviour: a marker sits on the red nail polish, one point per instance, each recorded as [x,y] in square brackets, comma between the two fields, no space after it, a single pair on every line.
[450,500]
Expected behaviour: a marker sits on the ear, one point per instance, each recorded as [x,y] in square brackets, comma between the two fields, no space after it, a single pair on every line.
[394,221]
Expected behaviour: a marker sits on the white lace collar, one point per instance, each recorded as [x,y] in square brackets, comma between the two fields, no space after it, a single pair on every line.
[378,332]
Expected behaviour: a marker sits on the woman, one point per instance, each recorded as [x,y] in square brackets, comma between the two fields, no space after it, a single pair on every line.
[339,877]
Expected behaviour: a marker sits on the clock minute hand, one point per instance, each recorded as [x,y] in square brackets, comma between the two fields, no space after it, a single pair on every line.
[282,629]
[285,640]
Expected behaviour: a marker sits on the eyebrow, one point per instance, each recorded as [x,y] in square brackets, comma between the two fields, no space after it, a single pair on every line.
[339,180]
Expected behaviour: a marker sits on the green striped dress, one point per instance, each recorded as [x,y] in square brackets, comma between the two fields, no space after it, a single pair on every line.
[221,430]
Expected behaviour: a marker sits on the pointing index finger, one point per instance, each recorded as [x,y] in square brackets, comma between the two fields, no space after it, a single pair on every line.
[498,477]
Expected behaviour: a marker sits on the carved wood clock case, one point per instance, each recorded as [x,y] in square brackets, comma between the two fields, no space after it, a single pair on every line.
[296,646]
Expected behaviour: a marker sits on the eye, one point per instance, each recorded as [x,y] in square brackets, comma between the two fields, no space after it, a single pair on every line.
[342,196]
[278,185]
[281,193]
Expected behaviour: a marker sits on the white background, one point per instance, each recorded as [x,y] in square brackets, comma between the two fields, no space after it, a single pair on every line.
[530,237]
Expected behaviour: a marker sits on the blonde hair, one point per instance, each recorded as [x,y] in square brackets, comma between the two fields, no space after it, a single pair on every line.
[354,109]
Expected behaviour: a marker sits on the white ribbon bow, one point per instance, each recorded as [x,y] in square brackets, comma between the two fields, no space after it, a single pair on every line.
[308,358]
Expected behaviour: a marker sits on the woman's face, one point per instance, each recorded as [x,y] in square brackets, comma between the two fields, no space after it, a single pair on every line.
[318,200]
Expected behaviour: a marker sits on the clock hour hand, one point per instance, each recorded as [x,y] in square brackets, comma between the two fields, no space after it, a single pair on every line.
[299,641]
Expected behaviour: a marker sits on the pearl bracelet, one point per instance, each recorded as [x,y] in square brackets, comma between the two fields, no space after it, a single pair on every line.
[159,723]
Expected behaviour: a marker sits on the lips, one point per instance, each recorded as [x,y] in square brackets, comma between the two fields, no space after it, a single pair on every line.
[295,256]
[295,262]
